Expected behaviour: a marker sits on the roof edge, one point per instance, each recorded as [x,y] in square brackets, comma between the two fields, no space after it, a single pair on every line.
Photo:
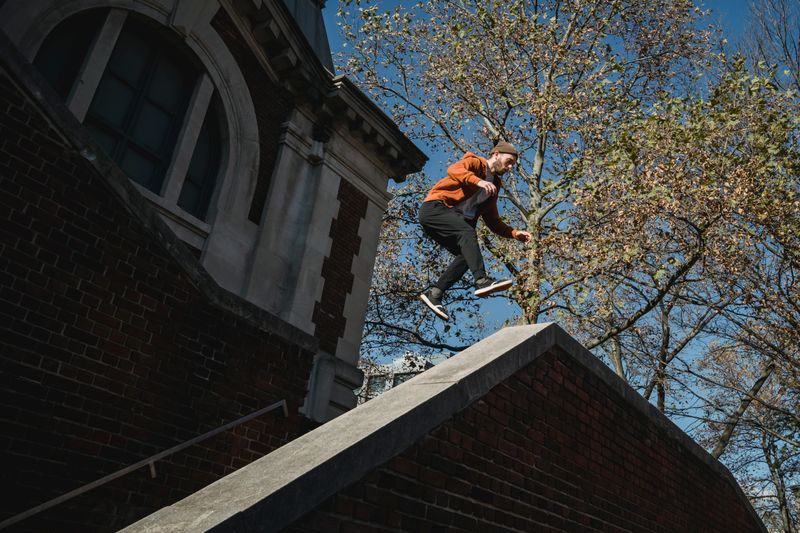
[375,124]
[294,479]
[284,52]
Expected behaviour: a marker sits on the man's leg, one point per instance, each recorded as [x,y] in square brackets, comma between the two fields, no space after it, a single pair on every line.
[455,271]
[452,232]
[448,229]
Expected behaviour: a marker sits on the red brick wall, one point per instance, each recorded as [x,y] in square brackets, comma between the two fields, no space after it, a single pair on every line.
[552,448]
[109,352]
[337,267]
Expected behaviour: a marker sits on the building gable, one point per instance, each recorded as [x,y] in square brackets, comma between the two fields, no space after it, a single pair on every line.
[523,431]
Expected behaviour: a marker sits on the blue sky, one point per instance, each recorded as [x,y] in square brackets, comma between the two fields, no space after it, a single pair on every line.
[729,15]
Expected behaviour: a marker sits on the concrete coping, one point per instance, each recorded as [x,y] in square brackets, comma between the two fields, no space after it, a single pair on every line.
[279,488]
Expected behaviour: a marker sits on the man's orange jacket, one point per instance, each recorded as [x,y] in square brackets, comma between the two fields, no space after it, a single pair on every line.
[462,182]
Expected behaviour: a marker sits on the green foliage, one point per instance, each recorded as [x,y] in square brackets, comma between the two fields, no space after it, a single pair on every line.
[659,180]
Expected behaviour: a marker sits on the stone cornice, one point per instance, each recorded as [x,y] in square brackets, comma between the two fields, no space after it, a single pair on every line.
[374,127]
[270,29]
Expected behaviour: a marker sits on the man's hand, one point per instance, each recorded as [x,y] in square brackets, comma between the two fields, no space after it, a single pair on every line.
[488,186]
[523,236]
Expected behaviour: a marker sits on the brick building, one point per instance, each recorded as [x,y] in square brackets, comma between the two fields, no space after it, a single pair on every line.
[191,202]
[525,431]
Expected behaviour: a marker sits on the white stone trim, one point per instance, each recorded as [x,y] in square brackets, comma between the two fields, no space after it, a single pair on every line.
[82,93]
[318,247]
[343,166]
[188,14]
[187,139]
[292,134]
[190,229]
[294,231]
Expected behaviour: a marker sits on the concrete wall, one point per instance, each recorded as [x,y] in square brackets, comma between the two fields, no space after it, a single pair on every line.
[524,431]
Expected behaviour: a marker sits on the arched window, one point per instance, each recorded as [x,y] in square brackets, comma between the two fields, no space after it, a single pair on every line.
[144,105]
[198,186]
[140,103]
[61,55]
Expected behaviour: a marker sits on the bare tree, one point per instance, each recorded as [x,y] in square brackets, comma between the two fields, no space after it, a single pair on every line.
[772,40]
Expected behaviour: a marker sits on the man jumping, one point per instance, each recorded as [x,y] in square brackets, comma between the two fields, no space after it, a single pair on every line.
[450,213]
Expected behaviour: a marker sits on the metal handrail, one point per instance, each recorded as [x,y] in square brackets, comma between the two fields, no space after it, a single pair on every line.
[149,461]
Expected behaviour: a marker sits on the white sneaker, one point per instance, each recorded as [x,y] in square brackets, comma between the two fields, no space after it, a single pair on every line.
[487,286]
[433,299]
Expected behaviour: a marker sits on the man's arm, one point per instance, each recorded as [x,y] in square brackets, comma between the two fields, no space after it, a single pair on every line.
[467,171]
[495,223]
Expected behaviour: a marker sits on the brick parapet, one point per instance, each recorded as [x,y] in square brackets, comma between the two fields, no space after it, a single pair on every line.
[523,431]
[552,448]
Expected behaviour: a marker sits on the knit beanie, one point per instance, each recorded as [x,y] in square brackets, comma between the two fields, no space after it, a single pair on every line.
[504,148]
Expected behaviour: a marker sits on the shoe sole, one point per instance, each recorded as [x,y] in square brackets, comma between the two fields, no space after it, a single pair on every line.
[433,307]
[494,287]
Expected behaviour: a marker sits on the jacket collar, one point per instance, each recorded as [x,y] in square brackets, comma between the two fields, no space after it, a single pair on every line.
[485,164]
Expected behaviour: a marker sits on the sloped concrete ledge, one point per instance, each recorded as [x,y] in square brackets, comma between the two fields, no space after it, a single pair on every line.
[274,491]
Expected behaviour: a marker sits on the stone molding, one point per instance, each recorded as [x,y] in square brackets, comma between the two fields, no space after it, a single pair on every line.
[270,29]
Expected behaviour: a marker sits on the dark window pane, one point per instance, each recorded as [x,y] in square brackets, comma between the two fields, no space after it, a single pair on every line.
[151,127]
[131,55]
[141,101]
[167,88]
[190,197]
[61,55]
[112,101]
[139,168]
[201,178]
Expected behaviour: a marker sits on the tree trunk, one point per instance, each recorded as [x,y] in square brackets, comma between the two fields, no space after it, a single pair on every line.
[771,455]
[532,304]
[616,358]
[730,425]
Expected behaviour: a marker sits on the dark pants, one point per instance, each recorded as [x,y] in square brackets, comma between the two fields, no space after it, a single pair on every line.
[457,236]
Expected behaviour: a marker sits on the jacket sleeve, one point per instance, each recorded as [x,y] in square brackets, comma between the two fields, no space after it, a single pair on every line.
[468,170]
[493,221]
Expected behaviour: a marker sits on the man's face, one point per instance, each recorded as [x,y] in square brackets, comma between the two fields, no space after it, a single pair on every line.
[502,163]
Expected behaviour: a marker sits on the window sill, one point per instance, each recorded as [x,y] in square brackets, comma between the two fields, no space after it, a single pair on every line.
[190,229]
